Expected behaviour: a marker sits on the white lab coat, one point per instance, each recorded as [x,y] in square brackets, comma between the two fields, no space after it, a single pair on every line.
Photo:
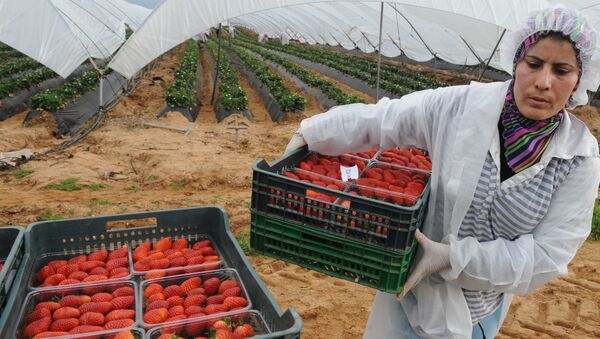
[458,126]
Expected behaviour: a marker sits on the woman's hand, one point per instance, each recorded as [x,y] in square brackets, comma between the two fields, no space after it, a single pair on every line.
[296,142]
[436,257]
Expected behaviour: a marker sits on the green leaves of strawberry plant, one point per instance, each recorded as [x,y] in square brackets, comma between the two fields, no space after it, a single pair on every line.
[182,94]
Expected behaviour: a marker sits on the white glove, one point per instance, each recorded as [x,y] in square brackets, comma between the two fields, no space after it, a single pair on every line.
[436,257]
[296,142]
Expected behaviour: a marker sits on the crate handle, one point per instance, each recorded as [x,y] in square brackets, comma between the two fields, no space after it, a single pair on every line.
[126,223]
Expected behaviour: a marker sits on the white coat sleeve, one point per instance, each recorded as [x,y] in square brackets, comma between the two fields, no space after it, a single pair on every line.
[360,127]
[528,262]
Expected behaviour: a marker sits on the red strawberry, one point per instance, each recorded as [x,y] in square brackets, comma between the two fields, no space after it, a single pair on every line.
[196,291]
[155,274]
[38,314]
[153,289]
[118,270]
[118,262]
[50,305]
[68,282]
[122,303]
[226,284]
[37,327]
[232,292]
[87,266]
[201,244]
[55,264]
[157,304]
[211,286]
[160,264]
[192,254]
[216,308]
[44,273]
[120,275]
[123,291]
[98,297]
[65,313]
[194,309]
[198,300]
[142,266]
[190,284]
[100,255]
[196,328]
[175,300]
[120,323]
[174,328]
[215,299]
[206,251]
[124,335]
[64,325]
[172,290]
[176,310]
[98,271]
[178,262]
[198,260]
[180,243]
[79,275]
[170,335]
[235,302]
[155,297]
[55,279]
[244,331]
[163,244]
[119,314]
[74,300]
[92,318]
[78,259]
[86,329]
[100,307]
[173,253]
[68,269]
[94,277]
[140,253]
[156,316]
[50,334]
[224,334]
[119,253]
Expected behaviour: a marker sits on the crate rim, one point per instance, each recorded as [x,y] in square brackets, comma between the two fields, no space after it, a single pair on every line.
[17,243]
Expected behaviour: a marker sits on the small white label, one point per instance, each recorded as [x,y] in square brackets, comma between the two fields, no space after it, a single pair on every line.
[349,172]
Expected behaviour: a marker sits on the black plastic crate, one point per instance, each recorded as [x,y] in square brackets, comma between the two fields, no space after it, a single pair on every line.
[331,254]
[371,221]
[211,221]
[11,254]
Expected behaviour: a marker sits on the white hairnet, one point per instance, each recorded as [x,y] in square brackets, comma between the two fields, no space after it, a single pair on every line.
[573,25]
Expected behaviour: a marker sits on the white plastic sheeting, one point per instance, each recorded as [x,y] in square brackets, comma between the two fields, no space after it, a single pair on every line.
[444,26]
[62,34]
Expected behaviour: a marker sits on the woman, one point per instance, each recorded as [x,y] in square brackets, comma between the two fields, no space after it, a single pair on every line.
[513,184]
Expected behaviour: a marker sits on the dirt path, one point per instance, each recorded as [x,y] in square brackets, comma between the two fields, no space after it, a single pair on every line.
[125,167]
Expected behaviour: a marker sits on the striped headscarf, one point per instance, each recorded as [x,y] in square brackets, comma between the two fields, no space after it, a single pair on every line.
[525,139]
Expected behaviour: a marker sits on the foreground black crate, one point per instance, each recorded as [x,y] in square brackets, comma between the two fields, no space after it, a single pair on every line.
[11,254]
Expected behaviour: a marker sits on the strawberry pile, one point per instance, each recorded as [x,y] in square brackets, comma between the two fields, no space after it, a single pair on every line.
[227,328]
[94,267]
[167,301]
[391,183]
[97,309]
[168,257]
[413,158]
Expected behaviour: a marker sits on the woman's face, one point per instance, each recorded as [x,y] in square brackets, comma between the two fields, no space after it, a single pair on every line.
[545,78]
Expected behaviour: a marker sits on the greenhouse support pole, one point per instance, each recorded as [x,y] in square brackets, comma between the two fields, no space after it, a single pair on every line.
[491,55]
[379,49]
[212,97]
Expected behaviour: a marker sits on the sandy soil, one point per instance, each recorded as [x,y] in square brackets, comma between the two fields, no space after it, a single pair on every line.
[126,167]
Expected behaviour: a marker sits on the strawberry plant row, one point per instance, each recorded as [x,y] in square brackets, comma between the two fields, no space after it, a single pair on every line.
[18,65]
[332,91]
[24,81]
[183,92]
[54,99]
[232,96]
[288,101]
